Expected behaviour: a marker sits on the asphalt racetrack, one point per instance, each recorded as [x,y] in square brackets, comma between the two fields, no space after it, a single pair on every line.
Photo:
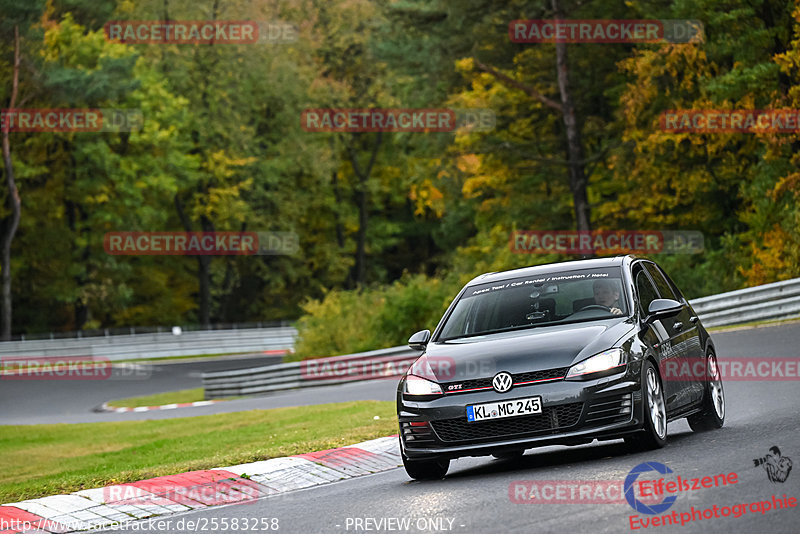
[478,494]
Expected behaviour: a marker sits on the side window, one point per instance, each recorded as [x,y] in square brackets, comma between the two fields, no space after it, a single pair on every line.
[673,286]
[645,291]
[664,289]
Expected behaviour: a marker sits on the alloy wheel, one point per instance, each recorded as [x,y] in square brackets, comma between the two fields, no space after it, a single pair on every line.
[655,403]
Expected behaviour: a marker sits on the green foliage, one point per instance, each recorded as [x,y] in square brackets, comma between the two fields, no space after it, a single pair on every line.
[345,322]
[222,148]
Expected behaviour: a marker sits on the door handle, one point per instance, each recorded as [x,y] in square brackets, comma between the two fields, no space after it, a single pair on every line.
[694,319]
[678,326]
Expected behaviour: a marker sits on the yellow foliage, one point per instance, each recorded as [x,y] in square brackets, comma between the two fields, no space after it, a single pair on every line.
[771,261]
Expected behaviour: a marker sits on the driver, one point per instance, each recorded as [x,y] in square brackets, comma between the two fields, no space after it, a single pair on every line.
[606,293]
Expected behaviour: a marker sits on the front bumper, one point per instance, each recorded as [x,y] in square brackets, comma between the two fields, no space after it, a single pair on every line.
[573,412]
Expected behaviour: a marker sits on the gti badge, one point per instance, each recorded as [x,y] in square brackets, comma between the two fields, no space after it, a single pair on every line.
[501,382]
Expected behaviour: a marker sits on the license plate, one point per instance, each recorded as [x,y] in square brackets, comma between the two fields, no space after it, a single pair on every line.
[498,410]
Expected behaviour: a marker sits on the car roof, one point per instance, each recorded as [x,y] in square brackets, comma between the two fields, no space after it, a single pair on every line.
[593,263]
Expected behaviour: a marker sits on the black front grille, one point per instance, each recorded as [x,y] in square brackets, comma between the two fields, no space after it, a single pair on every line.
[608,410]
[546,374]
[469,384]
[552,419]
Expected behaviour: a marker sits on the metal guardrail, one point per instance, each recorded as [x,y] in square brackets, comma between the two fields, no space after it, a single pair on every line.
[156,345]
[779,300]
[376,364]
[133,330]
[771,301]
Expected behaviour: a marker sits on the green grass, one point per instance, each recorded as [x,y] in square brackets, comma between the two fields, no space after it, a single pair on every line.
[753,324]
[220,355]
[40,460]
[5,366]
[158,399]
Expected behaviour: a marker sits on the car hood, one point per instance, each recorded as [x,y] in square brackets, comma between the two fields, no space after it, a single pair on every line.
[540,348]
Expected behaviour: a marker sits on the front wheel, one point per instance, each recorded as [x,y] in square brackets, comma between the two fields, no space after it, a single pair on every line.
[712,415]
[654,434]
[426,469]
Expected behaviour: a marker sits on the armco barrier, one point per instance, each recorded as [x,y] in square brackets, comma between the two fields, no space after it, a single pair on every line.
[771,301]
[780,300]
[157,345]
[385,363]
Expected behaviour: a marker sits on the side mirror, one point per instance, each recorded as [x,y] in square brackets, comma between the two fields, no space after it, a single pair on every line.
[419,340]
[662,308]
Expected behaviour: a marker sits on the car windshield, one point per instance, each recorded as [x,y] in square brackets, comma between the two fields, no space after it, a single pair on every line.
[538,300]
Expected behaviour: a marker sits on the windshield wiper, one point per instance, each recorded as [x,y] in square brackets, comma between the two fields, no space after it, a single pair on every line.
[487,332]
[534,325]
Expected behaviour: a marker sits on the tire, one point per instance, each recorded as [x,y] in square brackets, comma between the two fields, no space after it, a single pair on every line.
[654,433]
[712,415]
[509,455]
[426,469]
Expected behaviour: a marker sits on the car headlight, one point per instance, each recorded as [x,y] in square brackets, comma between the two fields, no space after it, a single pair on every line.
[605,361]
[415,385]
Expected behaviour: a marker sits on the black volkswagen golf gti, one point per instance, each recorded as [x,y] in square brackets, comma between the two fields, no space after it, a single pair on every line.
[557,354]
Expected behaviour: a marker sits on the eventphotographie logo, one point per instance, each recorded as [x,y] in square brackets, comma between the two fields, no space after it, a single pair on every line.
[630,496]
[777,467]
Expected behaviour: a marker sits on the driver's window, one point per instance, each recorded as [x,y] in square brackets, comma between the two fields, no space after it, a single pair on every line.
[645,292]
[663,287]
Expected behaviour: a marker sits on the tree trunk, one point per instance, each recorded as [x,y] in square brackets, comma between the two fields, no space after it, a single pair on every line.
[363,207]
[203,265]
[204,276]
[338,200]
[361,237]
[76,217]
[11,223]
[577,173]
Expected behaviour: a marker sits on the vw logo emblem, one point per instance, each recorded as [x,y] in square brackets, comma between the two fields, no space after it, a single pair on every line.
[501,382]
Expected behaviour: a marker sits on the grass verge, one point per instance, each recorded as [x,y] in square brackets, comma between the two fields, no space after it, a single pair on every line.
[158,399]
[40,460]
[178,359]
[753,324]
